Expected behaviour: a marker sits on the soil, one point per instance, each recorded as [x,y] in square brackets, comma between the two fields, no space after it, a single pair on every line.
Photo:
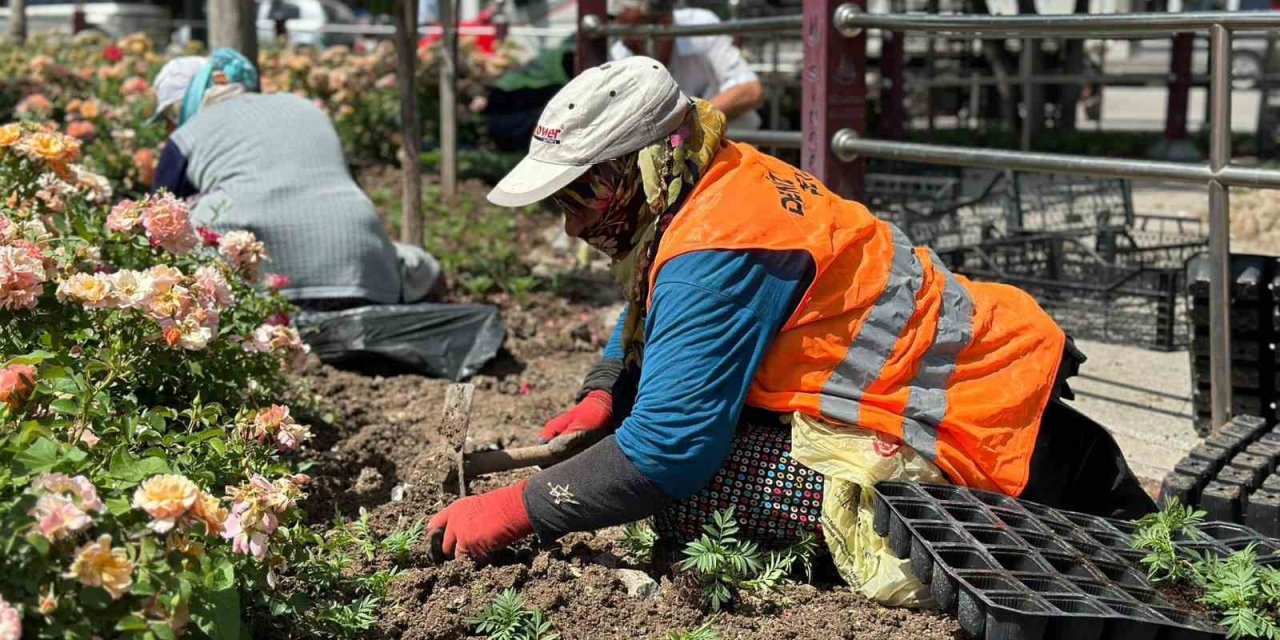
[381,439]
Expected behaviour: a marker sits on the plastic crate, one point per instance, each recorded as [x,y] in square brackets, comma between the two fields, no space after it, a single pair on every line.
[1087,295]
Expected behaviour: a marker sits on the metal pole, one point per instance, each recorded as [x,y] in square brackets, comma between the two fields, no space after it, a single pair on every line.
[893,84]
[1175,128]
[834,94]
[1113,25]
[775,94]
[1025,70]
[591,51]
[849,145]
[448,101]
[1220,229]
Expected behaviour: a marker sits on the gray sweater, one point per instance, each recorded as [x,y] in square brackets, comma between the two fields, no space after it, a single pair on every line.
[273,164]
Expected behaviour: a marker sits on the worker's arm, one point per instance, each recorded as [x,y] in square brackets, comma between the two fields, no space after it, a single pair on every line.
[741,99]
[171,173]
[713,317]
[740,89]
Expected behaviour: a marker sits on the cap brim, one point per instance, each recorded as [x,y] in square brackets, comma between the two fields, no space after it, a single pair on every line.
[159,114]
[533,180]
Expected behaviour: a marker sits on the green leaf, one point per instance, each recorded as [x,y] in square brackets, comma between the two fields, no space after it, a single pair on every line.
[217,613]
[41,456]
[35,357]
[221,576]
[127,468]
[66,405]
[132,623]
[118,505]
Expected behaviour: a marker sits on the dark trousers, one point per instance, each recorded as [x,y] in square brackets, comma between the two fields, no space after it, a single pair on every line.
[1078,466]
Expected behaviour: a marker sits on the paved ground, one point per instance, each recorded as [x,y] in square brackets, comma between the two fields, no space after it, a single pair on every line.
[1143,398]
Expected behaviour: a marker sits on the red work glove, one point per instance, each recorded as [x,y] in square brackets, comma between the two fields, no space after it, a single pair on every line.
[476,526]
[592,413]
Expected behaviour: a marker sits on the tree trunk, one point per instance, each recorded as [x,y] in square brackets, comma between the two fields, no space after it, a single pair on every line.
[410,126]
[18,21]
[448,100]
[232,24]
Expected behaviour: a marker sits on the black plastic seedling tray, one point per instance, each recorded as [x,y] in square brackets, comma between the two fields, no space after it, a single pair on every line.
[1018,570]
[1233,475]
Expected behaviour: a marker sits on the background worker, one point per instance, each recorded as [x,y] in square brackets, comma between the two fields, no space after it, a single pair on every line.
[756,297]
[273,165]
[707,67]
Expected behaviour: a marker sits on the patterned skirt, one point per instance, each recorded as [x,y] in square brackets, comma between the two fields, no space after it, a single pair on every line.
[775,499]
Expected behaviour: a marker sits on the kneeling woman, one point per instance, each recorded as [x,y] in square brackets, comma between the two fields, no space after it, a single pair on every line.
[758,297]
[273,165]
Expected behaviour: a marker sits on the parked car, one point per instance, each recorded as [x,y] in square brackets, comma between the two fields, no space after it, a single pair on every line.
[115,19]
[308,21]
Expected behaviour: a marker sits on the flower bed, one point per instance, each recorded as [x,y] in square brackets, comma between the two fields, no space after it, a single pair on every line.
[148,484]
[100,92]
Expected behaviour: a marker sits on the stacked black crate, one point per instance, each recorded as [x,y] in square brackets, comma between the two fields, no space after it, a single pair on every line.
[1255,288]
[1232,475]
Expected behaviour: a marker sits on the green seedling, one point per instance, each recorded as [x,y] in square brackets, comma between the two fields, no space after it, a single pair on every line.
[507,618]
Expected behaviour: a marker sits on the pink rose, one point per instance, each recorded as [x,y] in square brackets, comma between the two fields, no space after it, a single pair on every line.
[168,224]
[276,281]
[22,277]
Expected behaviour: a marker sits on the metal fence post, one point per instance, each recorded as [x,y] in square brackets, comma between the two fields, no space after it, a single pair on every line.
[1175,123]
[835,95]
[591,51]
[1219,227]
[893,90]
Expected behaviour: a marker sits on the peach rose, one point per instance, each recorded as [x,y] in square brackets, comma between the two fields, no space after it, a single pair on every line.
[58,517]
[165,498]
[98,565]
[10,134]
[91,290]
[54,147]
[16,384]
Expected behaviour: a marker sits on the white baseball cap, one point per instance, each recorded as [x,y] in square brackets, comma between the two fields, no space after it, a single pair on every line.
[172,82]
[606,112]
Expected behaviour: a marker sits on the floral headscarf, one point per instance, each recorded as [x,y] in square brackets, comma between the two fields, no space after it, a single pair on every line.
[666,172]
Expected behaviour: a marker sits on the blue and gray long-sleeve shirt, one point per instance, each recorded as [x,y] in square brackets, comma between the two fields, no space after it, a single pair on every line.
[714,315]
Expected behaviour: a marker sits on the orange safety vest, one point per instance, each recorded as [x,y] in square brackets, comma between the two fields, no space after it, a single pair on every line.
[885,338]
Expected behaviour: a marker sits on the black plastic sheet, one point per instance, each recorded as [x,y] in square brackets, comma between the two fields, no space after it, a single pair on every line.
[439,340]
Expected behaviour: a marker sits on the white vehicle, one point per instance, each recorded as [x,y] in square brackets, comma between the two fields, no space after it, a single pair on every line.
[115,19]
[319,23]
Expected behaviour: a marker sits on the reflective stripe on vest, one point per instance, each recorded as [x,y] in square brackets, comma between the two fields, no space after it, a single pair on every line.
[927,395]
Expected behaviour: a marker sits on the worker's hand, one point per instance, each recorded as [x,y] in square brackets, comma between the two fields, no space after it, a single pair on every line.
[594,412]
[476,526]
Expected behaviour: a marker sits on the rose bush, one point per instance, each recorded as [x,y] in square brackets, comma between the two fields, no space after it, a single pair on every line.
[148,481]
[100,92]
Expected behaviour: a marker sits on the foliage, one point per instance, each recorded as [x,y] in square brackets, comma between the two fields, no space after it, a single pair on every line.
[704,632]
[507,618]
[1156,534]
[723,565]
[638,540]
[471,238]
[401,541]
[1247,594]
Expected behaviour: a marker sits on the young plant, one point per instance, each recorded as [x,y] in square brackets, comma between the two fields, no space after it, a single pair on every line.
[638,540]
[724,565]
[705,632]
[1246,593]
[507,618]
[1155,535]
[401,541]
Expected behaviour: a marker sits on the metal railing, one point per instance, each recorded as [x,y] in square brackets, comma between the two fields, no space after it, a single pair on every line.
[824,20]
